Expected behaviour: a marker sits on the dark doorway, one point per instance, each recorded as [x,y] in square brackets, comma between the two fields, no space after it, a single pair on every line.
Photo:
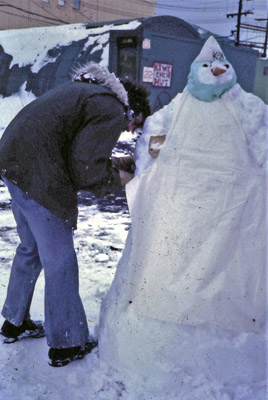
[127,57]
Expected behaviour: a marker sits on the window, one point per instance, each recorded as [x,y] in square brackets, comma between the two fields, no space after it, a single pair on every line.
[127,57]
[77,4]
[61,2]
[46,1]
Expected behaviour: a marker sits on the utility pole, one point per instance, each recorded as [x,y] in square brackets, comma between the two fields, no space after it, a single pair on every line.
[239,14]
[239,22]
[266,36]
[265,41]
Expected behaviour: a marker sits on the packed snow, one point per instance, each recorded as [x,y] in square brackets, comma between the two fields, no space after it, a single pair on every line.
[99,242]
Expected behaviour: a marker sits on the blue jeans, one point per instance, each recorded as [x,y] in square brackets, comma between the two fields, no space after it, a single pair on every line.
[46,241]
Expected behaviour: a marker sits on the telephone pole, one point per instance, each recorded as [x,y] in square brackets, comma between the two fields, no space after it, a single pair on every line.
[265,41]
[266,36]
[249,27]
[239,15]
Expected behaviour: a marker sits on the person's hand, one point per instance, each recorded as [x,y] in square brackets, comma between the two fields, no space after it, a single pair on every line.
[126,163]
[125,177]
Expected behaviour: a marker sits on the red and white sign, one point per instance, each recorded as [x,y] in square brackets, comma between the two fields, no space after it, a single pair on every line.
[148,74]
[162,74]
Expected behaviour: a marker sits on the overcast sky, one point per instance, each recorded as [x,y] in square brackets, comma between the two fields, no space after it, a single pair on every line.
[211,14]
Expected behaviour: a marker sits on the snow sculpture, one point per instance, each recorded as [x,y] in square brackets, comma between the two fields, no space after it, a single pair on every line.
[189,295]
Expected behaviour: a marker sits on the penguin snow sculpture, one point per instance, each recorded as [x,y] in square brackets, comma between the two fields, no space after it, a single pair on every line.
[190,290]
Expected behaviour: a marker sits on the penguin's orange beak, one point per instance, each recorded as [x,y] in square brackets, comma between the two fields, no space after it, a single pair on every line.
[218,71]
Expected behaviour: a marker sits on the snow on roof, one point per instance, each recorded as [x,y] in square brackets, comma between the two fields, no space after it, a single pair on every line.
[31,45]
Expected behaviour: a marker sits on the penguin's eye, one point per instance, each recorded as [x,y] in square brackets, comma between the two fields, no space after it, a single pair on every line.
[205,65]
[227,65]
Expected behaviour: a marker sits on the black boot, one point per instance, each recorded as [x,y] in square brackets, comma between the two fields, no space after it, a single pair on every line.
[61,357]
[28,329]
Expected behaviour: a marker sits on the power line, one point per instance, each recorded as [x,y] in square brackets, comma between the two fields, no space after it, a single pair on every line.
[215,11]
[52,19]
[65,5]
[249,27]
[145,2]
[31,13]
[253,27]
[43,9]
[199,8]
[111,10]
[239,15]
[79,12]
[24,17]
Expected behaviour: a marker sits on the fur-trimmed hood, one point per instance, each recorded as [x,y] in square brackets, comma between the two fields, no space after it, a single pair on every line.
[95,73]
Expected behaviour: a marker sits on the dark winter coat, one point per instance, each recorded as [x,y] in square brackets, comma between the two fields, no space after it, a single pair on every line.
[61,143]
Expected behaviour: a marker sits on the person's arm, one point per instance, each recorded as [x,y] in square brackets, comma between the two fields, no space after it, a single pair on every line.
[125,176]
[126,166]
[90,162]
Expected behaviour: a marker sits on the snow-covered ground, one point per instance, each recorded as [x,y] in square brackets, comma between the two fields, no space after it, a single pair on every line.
[24,371]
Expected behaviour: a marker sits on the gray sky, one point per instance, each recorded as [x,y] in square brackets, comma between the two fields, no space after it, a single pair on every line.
[211,14]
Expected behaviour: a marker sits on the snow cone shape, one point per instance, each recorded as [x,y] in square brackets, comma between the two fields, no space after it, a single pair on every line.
[186,310]
[211,74]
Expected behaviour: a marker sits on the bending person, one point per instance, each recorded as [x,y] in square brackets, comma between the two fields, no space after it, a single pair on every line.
[57,145]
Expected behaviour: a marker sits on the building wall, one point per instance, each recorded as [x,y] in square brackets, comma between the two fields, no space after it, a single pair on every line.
[16,14]
[261,79]
[156,51]
[166,47]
